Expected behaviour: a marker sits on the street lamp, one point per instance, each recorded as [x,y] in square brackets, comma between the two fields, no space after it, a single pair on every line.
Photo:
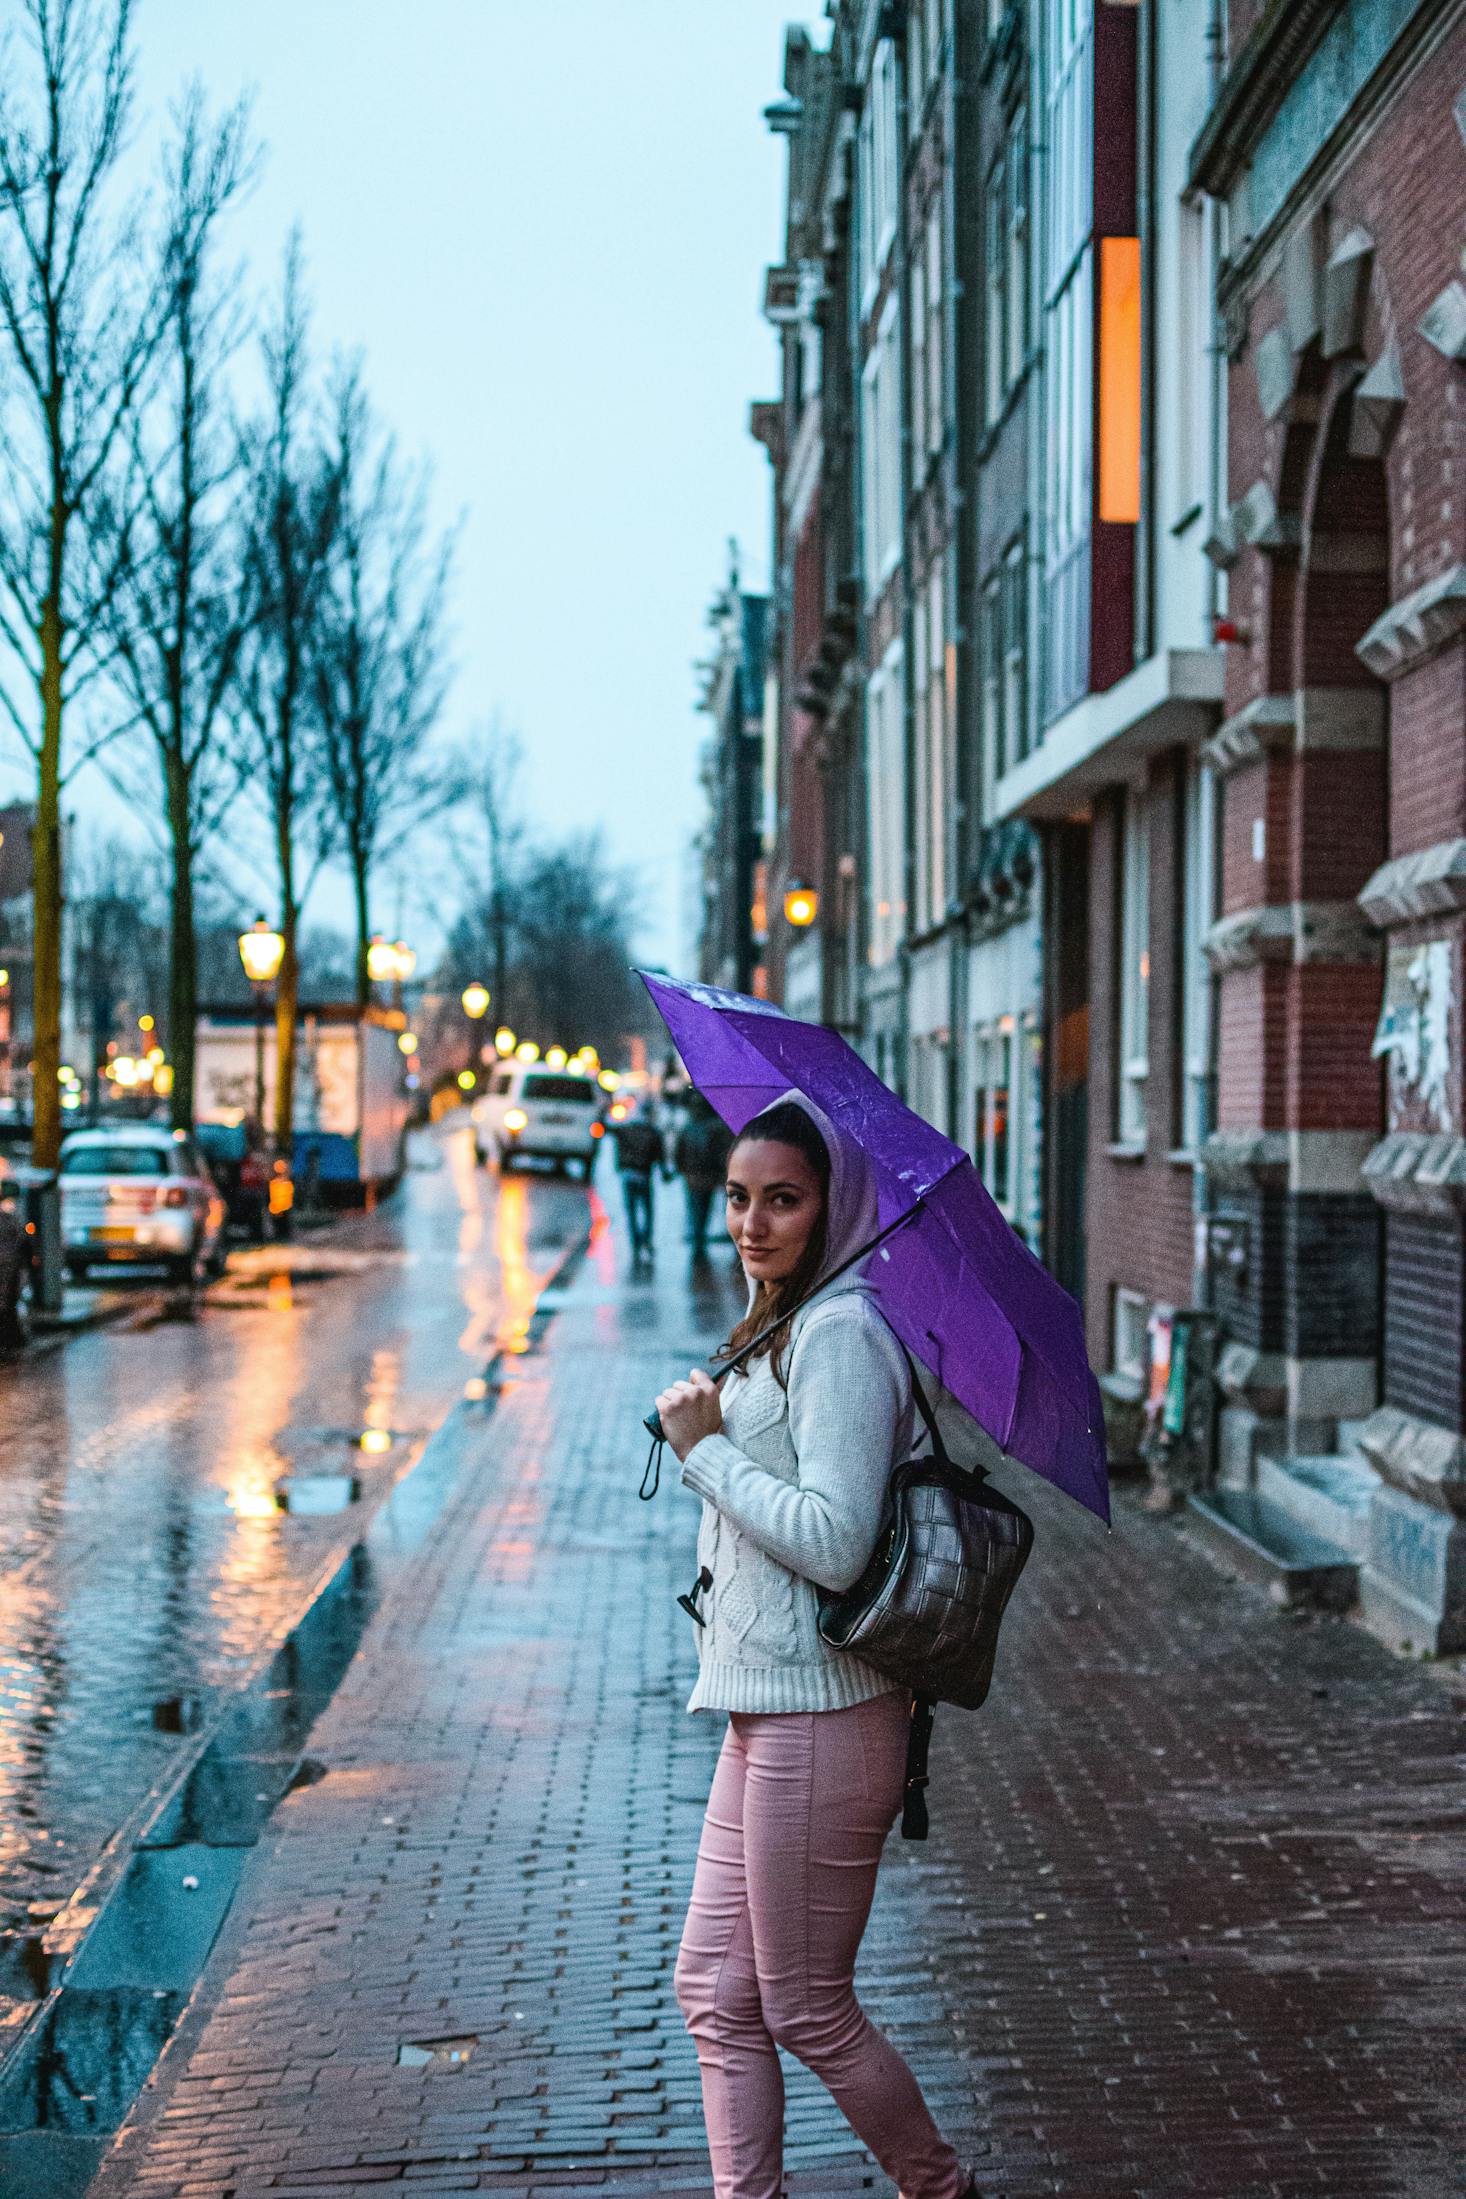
[504,1040]
[476,998]
[261,950]
[801,906]
[381,960]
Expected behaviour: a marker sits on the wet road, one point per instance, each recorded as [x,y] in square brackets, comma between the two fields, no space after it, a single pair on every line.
[145,1563]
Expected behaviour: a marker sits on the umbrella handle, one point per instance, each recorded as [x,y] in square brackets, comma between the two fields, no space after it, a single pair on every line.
[654,1428]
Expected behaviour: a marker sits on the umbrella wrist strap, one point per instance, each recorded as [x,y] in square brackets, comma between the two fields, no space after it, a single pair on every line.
[918,1742]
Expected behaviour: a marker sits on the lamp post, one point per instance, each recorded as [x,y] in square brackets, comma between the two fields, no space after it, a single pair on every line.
[476,998]
[261,951]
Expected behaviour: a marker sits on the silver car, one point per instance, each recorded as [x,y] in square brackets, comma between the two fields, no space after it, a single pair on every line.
[141,1194]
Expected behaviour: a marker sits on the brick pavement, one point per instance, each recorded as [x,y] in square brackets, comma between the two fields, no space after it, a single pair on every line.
[1190,1921]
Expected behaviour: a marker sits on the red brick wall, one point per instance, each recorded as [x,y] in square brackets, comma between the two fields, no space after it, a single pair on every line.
[1295,1042]
[1427,776]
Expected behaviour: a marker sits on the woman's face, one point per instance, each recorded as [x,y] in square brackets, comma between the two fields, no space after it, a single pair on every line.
[774,1202]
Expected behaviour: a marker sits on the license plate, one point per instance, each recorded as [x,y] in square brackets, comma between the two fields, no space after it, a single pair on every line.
[113,1233]
[554,1120]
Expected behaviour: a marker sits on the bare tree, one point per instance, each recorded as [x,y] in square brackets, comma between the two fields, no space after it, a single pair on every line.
[184,596]
[80,322]
[489,844]
[292,504]
[381,671]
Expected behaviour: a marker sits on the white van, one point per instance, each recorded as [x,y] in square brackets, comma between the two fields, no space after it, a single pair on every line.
[545,1114]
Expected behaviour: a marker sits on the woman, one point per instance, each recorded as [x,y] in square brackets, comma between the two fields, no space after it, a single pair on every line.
[792,1462]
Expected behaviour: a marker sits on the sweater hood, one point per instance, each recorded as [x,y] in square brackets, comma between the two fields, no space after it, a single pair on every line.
[852,1217]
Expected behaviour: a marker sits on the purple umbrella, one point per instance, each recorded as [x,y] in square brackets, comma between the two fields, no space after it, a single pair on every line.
[962,1292]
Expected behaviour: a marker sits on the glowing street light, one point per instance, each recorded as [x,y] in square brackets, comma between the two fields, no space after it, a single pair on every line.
[555,1058]
[609,1081]
[476,1001]
[406,960]
[381,960]
[261,950]
[801,906]
[527,1050]
[504,1040]
[466,1080]
[407,1042]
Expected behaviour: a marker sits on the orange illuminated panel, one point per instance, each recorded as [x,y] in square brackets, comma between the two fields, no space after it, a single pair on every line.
[1119,380]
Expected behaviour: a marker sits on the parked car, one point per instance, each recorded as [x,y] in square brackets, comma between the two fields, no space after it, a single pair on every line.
[547,1114]
[240,1165]
[18,1186]
[139,1194]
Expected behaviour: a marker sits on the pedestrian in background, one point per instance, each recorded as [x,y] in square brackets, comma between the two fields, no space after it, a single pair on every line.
[700,1155]
[792,1463]
[640,1152]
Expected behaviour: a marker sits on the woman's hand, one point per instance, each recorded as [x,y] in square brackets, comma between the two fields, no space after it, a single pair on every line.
[690,1410]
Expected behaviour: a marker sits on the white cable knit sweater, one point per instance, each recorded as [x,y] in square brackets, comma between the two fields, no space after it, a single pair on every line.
[793,1494]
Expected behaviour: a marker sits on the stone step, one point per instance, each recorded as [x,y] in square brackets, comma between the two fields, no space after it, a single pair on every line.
[1328,1494]
[1262,1543]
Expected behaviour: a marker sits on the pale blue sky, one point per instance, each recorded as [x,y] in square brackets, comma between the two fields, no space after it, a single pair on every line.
[546,225]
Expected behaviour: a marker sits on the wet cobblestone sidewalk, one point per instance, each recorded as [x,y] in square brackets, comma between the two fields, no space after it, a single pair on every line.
[1190,1921]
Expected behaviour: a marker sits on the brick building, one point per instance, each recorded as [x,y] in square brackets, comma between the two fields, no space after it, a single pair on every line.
[730,930]
[1337,146]
[1120,627]
[1103,753]
[814,793]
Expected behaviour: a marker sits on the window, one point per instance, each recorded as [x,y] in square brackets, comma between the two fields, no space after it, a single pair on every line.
[1130,1341]
[1068,455]
[1067,296]
[886,807]
[995,728]
[878,168]
[935,346]
[880,455]
[1134,1004]
[918,352]
[995,264]
[995,1110]
[1194,359]
[1015,212]
[933,760]
[1198,905]
[1015,649]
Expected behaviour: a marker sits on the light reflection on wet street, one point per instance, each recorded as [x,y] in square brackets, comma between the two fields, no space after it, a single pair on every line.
[171,1489]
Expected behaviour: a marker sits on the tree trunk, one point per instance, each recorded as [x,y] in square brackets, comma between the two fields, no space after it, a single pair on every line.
[359,881]
[46,894]
[182,950]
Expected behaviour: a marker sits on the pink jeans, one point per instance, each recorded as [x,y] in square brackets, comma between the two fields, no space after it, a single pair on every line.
[800,1808]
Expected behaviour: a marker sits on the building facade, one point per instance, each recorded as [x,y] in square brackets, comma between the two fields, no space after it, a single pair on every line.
[1118,730]
[1103,754]
[732,932]
[1337,147]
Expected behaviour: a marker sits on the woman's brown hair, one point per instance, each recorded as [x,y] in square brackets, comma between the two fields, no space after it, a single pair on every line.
[785,1124]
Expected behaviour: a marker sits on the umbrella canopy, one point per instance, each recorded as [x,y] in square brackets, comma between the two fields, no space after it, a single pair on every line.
[960,1289]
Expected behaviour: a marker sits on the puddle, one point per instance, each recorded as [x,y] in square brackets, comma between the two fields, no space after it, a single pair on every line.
[313,1494]
[445,2053]
[155,1932]
[74,2076]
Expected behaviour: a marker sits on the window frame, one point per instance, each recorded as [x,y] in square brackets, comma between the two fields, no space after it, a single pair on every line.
[1132,1019]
